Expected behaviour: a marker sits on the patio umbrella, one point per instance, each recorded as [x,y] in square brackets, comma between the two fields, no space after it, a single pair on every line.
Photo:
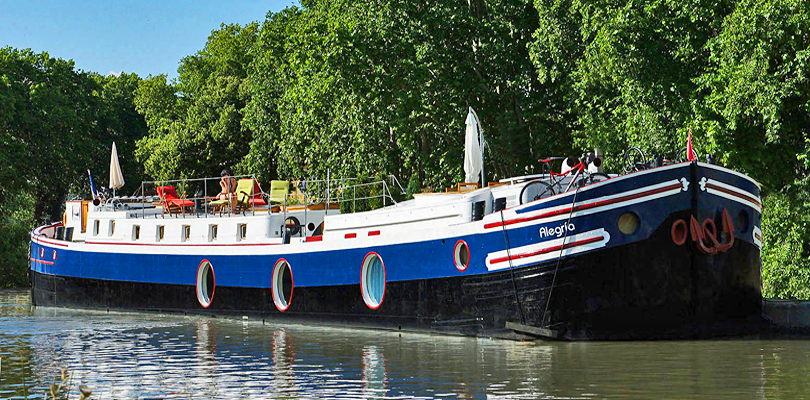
[473,150]
[116,177]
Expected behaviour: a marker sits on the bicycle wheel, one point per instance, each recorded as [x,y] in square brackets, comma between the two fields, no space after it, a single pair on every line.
[681,156]
[535,190]
[633,160]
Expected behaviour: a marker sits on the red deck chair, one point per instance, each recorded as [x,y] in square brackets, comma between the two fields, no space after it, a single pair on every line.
[171,201]
[258,196]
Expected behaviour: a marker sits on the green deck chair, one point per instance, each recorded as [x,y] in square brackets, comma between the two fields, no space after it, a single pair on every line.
[244,192]
[278,191]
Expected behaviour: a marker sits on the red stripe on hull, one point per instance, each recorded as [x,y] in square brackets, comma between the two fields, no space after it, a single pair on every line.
[550,249]
[584,206]
[733,193]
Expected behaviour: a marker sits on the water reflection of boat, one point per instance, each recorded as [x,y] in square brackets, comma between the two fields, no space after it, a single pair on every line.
[672,251]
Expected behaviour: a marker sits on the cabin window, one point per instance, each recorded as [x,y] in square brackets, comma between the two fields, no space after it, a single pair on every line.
[242,231]
[160,231]
[96,224]
[212,233]
[136,232]
[112,228]
[186,232]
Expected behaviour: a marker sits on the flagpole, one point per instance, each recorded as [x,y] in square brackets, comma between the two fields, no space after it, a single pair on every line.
[481,140]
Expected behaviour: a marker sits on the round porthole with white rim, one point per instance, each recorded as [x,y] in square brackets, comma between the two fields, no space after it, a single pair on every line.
[206,283]
[461,255]
[372,280]
[282,285]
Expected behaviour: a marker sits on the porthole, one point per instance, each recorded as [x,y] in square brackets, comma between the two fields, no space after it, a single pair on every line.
[372,280]
[41,252]
[628,223]
[206,283]
[54,255]
[282,285]
[310,227]
[461,255]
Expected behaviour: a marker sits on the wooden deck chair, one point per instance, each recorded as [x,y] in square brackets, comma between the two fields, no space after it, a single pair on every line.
[278,191]
[171,202]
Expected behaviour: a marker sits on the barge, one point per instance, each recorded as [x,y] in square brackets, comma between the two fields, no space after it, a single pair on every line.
[665,252]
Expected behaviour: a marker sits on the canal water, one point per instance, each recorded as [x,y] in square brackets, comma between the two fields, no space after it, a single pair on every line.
[129,355]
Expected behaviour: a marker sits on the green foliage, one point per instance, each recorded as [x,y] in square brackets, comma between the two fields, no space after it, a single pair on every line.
[785,250]
[359,88]
[55,124]
[17,221]
[195,123]
[756,89]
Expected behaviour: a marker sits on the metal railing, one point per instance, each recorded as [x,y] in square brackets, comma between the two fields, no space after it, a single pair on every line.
[330,191]
[306,193]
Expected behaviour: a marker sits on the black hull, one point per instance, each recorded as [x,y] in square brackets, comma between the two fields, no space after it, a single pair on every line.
[646,290]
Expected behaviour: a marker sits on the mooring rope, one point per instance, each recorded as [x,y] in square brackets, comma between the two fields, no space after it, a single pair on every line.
[512,271]
[559,258]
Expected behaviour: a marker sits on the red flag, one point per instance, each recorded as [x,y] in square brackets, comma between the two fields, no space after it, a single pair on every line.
[690,153]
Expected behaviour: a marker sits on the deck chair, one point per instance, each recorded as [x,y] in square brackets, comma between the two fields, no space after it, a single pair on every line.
[257,200]
[278,191]
[244,193]
[171,202]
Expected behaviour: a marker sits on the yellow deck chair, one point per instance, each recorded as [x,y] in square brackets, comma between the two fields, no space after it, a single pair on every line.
[244,192]
[278,191]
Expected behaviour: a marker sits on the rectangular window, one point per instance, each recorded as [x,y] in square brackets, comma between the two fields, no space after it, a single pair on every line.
[212,233]
[160,232]
[136,232]
[186,232]
[112,227]
[242,231]
[96,224]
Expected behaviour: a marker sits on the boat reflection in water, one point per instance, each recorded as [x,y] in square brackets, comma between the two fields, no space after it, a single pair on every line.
[120,355]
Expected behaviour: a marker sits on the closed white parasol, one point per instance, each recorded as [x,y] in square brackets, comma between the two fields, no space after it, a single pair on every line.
[116,177]
[473,150]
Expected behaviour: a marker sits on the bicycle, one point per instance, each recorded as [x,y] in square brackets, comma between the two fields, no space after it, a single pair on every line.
[635,160]
[580,176]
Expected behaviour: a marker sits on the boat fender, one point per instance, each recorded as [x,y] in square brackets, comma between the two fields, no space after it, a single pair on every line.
[679,232]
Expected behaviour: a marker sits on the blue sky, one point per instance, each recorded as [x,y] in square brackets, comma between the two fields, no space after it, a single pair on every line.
[144,37]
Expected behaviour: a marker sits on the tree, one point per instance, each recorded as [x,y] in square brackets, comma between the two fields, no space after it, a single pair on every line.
[195,124]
